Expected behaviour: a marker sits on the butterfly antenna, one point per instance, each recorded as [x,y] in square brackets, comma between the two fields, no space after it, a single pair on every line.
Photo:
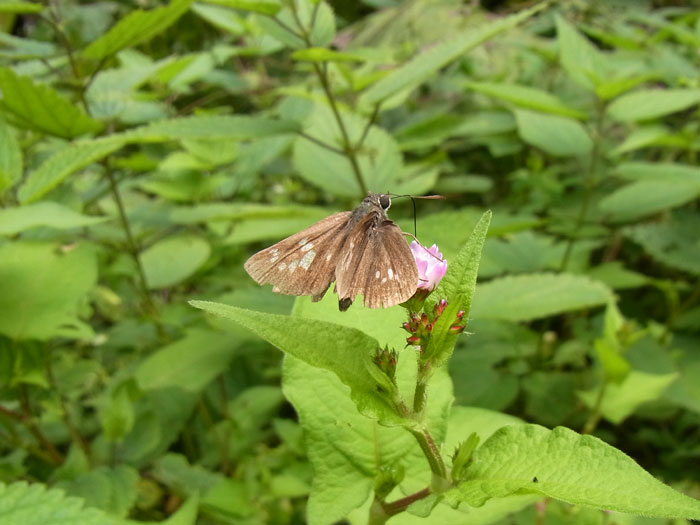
[415,222]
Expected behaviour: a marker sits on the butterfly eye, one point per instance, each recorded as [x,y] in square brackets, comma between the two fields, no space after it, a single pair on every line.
[384,201]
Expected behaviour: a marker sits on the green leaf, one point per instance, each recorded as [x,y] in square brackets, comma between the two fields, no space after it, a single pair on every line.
[526,97]
[38,107]
[185,515]
[582,470]
[646,197]
[172,260]
[578,56]
[210,127]
[60,165]
[264,7]
[34,504]
[11,161]
[350,357]
[135,28]
[379,158]
[113,490]
[652,103]
[19,7]
[527,297]
[43,287]
[458,288]
[621,400]
[658,171]
[419,69]
[49,214]
[322,54]
[675,244]
[559,136]
[190,363]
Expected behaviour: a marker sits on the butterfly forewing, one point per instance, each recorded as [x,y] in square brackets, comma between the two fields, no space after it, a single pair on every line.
[303,264]
[377,263]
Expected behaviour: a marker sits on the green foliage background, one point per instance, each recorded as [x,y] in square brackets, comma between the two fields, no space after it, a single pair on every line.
[147,149]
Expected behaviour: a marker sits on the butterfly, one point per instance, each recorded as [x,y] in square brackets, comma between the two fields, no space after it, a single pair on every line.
[362,250]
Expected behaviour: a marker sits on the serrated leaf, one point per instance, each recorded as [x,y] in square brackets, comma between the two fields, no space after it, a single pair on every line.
[645,197]
[527,297]
[56,168]
[42,289]
[458,287]
[38,107]
[559,136]
[34,504]
[49,214]
[526,97]
[264,7]
[135,28]
[652,103]
[350,357]
[582,470]
[419,69]
[172,260]
[190,363]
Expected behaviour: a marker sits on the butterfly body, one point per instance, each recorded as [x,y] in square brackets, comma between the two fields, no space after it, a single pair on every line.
[363,251]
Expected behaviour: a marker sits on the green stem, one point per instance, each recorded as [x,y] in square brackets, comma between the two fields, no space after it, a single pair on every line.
[28,420]
[595,416]
[430,450]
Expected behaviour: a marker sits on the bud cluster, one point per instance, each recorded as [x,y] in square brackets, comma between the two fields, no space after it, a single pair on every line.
[421,325]
[385,360]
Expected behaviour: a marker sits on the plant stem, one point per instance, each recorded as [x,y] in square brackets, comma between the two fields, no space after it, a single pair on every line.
[320,143]
[431,451]
[27,418]
[401,504]
[595,416]
[132,246]
[589,186]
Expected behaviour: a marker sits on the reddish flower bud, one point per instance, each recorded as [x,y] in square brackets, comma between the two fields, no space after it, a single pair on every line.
[412,340]
[460,314]
[457,329]
[409,327]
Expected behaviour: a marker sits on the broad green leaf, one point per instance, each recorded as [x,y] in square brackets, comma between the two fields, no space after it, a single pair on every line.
[322,54]
[645,197]
[43,287]
[526,97]
[252,230]
[419,69]
[350,357]
[38,107]
[190,363]
[527,297]
[185,515]
[652,103]
[559,136]
[658,171]
[675,244]
[621,400]
[60,165]
[113,490]
[220,211]
[49,214]
[264,7]
[458,288]
[617,277]
[379,159]
[11,162]
[642,137]
[19,7]
[210,127]
[579,57]
[567,466]
[34,504]
[136,28]
[172,260]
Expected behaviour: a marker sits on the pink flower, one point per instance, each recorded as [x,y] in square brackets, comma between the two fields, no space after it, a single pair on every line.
[431,265]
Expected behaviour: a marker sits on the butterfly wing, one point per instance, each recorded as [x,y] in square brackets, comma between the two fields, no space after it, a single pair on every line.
[377,263]
[304,263]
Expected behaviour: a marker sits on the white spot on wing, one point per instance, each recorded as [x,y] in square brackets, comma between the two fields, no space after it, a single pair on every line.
[293,266]
[328,257]
[307,259]
[376,274]
[303,241]
[281,266]
[275,255]
[391,274]
[383,280]
[307,247]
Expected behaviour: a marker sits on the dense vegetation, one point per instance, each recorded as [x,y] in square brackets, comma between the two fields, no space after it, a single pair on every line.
[148,148]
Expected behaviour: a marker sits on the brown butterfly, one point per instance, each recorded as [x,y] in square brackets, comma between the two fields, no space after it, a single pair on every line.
[361,250]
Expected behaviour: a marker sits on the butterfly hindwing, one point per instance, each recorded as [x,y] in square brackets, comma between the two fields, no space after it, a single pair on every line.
[304,263]
[377,263]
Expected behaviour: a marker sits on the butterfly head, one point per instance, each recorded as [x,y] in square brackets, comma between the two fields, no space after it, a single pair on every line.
[380,200]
